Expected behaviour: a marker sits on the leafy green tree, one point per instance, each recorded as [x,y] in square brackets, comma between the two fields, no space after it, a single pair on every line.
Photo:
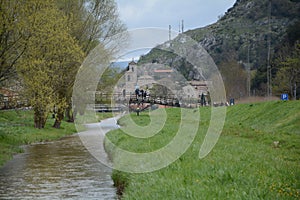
[51,57]
[46,41]
[109,78]
[91,22]
[288,76]
[69,58]
[11,48]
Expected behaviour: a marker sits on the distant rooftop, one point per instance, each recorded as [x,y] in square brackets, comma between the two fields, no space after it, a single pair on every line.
[163,70]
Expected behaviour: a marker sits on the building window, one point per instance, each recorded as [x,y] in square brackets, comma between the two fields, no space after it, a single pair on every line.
[128,78]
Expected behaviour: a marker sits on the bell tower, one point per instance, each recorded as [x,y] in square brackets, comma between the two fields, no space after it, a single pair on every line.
[131,77]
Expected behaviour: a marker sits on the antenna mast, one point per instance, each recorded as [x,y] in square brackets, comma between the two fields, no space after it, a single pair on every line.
[170,32]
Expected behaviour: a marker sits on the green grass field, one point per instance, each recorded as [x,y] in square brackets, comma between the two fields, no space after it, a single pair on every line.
[244,164]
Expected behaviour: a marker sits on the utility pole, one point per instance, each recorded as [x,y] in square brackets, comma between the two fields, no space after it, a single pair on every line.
[269,69]
[248,68]
[182,26]
[170,32]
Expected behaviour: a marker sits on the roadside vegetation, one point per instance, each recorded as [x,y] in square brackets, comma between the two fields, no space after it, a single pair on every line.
[256,157]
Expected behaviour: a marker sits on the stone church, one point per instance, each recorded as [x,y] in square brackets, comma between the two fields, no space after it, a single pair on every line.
[143,77]
[131,77]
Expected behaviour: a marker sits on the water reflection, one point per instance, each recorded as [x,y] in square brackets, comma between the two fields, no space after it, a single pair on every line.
[60,170]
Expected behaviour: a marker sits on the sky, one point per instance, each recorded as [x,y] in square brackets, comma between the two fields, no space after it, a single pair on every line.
[141,15]
[162,13]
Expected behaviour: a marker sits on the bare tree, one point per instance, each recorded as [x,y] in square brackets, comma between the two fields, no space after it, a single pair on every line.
[92,21]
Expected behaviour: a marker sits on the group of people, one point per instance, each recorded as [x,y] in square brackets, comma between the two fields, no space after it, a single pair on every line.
[140,93]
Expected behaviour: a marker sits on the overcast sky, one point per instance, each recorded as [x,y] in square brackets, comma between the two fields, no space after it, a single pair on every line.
[140,15]
[162,13]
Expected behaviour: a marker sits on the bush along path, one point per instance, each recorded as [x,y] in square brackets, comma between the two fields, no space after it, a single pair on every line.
[256,157]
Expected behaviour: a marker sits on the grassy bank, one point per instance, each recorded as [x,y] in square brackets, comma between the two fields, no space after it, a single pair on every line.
[246,163]
[17,128]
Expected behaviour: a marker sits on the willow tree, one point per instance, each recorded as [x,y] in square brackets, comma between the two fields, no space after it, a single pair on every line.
[51,57]
[11,47]
[91,22]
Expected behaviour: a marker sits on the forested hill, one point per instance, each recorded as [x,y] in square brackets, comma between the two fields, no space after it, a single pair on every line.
[240,36]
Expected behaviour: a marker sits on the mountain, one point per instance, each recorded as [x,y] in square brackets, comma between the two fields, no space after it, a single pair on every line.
[245,36]
[247,24]
[120,64]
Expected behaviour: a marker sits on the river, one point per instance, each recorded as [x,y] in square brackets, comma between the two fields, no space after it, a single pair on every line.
[63,169]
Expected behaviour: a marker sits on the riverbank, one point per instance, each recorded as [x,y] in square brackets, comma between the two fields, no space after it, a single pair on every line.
[17,129]
[60,169]
[256,157]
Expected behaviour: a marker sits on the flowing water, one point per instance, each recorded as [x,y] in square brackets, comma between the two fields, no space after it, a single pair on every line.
[62,169]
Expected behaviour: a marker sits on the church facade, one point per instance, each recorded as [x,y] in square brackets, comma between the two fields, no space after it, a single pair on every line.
[143,77]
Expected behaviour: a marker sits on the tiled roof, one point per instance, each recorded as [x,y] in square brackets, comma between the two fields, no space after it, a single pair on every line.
[163,70]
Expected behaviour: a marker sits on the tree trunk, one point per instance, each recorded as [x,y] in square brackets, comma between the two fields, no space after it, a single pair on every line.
[70,115]
[40,119]
[58,118]
[74,113]
[295,91]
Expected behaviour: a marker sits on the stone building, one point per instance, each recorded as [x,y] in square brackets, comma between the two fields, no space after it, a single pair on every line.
[131,78]
[145,76]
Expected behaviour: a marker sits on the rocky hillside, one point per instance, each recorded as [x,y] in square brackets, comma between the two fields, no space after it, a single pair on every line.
[239,37]
[246,25]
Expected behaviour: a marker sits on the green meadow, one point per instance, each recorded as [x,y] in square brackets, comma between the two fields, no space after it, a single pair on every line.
[256,157]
